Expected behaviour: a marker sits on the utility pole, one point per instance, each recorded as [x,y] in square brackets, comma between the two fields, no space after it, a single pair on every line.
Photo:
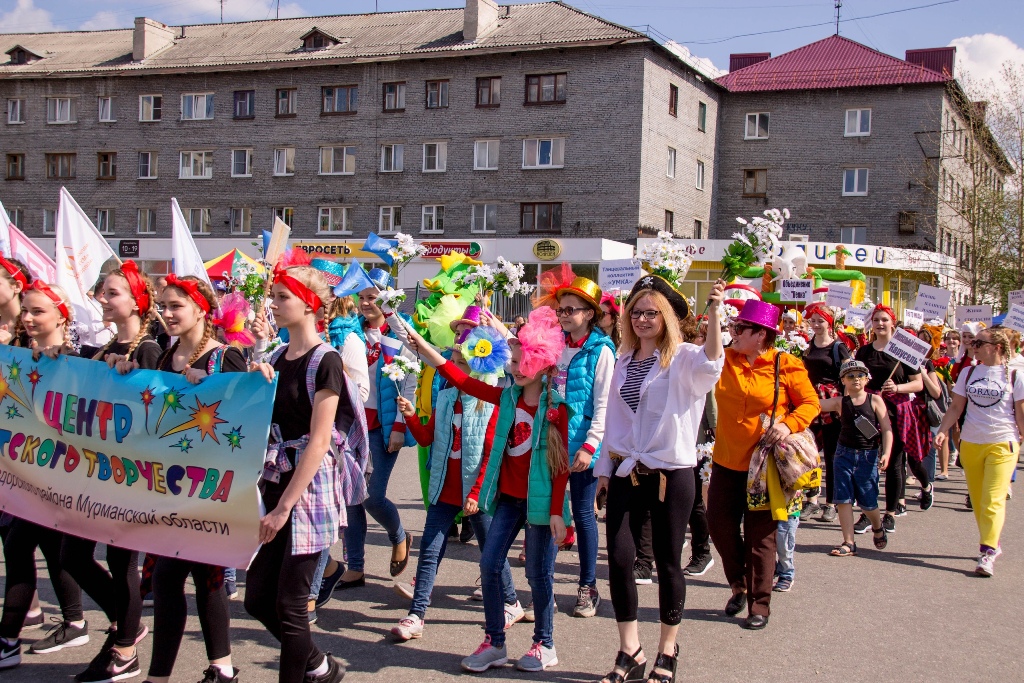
[839,5]
[278,9]
[222,11]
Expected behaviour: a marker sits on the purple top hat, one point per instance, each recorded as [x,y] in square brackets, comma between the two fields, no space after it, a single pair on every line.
[471,317]
[760,313]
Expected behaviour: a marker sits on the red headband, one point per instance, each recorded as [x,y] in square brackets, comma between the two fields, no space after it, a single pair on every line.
[40,286]
[14,271]
[818,308]
[300,290]
[136,285]
[190,288]
[884,309]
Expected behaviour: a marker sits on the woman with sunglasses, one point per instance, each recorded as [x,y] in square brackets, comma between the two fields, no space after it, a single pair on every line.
[993,396]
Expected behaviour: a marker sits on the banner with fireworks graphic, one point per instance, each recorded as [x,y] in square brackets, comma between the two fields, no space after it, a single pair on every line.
[145,461]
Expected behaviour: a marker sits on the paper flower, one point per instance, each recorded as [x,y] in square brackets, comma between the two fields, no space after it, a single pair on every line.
[792,343]
[485,350]
[705,471]
[390,299]
[667,259]
[232,317]
[754,245]
[503,278]
[400,367]
[404,251]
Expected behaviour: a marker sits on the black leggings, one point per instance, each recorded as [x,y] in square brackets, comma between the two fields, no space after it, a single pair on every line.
[170,611]
[627,507]
[20,545]
[700,537]
[116,591]
[276,593]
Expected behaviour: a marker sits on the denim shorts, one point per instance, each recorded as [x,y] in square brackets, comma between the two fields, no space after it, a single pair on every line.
[856,477]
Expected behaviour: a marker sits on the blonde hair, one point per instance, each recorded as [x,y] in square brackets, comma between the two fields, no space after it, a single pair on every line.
[558,453]
[671,335]
[145,317]
[1001,338]
[313,279]
[208,327]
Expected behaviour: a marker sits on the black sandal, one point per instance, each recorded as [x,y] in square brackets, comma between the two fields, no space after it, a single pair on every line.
[844,549]
[880,543]
[397,567]
[633,670]
[663,661]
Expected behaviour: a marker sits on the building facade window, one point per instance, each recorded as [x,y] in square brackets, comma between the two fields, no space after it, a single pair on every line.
[49,221]
[151,107]
[16,111]
[700,175]
[488,91]
[60,166]
[394,96]
[485,155]
[198,221]
[546,88]
[757,126]
[147,165]
[287,102]
[197,106]
[146,222]
[855,182]
[435,157]
[285,213]
[698,229]
[671,170]
[241,163]
[105,106]
[17,217]
[284,161]
[755,182]
[485,218]
[544,153]
[853,235]
[196,165]
[15,166]
[335,220]
[390,220]
[245,104]
[702,116]
[433,219]
[673,100]
[337,160]
[437,94]
[541,216]
[670,221]
[858,122]
[60,110]
[105,221]
[341,99]
[240,221]
[106,166]
[392,158]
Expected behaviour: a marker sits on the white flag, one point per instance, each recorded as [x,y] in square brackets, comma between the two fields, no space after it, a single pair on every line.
[80,254]
[5,237]
[184,253]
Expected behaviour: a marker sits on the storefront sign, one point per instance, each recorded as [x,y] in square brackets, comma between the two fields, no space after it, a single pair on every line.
[932,301]
[547,250]
[619,274]
[840,296]
[974,314]
[335,249]
[1015,318]
[912,318]
[908,349]
[798,291]
[439,249]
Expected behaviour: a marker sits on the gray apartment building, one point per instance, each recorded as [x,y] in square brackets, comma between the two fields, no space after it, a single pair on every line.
[483,122]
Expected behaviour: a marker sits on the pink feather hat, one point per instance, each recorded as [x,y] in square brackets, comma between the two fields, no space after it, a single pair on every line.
[542,341]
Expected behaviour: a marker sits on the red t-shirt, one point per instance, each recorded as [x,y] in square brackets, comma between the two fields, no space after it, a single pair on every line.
[514,478]
[451,491]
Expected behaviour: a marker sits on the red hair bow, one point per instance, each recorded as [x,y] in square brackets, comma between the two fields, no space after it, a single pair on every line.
[300,290]
[192,289]
[14,271]
[41,286]
[136,285]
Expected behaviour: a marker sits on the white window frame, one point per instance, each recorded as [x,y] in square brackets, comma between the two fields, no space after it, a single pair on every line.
[112,170]
[440,157]
[16,216]
[105,221]
[205,217]
[284,161]
[557,152]
[670,171]
[243,213]
[195,98]
[151,165]
[16,111]
[393,216]
[858,121]
[700,175]
[285,213]
[329,211]
[397,156]
[478,212]
[49,221]
[151,99]
[858,174]
[482,161]
[440,96]
[329,154]
[248,162]
[849,233]
[434,213]
[250,99]
[185,170]
[755,117]
[145,222]
[109,101]
[292,99]
[396,99]
[54,111]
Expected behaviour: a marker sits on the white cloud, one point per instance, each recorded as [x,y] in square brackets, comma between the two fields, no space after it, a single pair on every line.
[25,17]
[982,57]
[101,21]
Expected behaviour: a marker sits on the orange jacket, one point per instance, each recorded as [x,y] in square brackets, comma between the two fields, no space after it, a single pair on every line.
[744,392]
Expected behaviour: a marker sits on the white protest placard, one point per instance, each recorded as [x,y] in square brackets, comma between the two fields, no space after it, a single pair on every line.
[908,349]
[798,291]
[912,318]
[856,318]
[981,313]
[1015,318]
[619,274]
[1015,297]
[840,296]
[932,301]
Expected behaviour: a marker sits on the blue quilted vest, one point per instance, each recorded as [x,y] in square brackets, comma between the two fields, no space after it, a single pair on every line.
[475,416]
[387,393]
[579,390]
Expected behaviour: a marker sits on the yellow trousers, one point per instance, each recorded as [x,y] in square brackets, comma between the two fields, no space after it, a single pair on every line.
[988,468]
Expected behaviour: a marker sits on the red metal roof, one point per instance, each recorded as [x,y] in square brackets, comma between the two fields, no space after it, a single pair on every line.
[835,62]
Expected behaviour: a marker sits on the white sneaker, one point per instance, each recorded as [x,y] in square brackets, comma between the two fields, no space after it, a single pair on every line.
[408,628]
[478,592]
[987,562]
[538,658]
[406,590]
[485,657]
[513,613]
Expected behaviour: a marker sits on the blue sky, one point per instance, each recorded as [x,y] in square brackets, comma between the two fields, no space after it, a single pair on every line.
[986,32]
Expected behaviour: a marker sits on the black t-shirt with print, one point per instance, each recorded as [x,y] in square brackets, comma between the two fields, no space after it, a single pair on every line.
[231,361]
[880,364]
[293,412]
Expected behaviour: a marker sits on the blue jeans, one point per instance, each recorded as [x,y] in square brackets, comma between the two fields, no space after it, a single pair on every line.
[318,574]
[785,542]
[230,574]
[582,491]
[432,546]
[380,508]
[509,518]
[856,472]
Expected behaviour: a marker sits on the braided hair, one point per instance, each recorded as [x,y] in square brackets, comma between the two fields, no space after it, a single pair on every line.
[147,317]
[558,455]
[19,326]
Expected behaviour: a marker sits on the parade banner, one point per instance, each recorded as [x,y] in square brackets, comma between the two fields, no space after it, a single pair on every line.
[908,349]
[840,296]
[1015,318]
[981,313]
[932,301]
[1015,297]
[798,291]
[856,317]
[912,318]
[619,274]
[145,461]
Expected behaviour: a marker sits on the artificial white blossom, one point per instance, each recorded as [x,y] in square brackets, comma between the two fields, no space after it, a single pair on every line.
[390,299]
[400,367]
[404,251]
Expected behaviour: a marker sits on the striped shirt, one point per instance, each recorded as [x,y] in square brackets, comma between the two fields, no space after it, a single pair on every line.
[636,372]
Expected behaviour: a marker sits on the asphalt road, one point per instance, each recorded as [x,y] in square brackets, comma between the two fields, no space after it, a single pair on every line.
[914,612]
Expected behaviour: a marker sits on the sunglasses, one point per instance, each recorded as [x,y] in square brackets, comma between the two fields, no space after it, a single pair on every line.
[855,375]
[566,311]
[978,343]
[646,315]
[740,328]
